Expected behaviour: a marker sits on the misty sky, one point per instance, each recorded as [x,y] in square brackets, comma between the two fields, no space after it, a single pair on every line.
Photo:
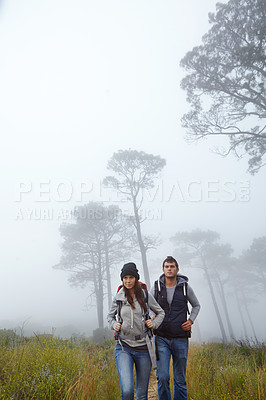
[78,81]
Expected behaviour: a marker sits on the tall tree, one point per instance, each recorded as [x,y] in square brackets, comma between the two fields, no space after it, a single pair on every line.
[250,274]
[135,171]
[225,83]
[254,260]
[99,239]
[244,285]
[220,262]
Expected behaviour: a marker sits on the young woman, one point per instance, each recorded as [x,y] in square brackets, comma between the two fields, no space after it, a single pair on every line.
[131,347]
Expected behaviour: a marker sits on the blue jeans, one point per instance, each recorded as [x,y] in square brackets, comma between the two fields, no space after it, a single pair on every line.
[178,349]
[125,359]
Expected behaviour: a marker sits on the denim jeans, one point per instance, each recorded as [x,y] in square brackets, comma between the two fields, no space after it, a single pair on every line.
[178,349]
[125,359]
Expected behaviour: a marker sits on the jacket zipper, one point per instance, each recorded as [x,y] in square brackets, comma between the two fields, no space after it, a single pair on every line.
[131,317]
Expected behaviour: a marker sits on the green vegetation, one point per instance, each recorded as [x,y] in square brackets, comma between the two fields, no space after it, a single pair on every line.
[227,372]
[45,367]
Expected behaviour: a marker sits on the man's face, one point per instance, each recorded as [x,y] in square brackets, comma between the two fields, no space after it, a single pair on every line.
[170,269]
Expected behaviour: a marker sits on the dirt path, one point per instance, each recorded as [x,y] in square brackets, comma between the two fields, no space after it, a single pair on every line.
[152,394]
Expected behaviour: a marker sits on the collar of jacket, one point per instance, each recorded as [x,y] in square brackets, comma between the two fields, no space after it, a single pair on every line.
[181,279]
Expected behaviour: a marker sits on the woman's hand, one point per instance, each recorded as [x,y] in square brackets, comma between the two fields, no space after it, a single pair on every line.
[149,323]
[117,327]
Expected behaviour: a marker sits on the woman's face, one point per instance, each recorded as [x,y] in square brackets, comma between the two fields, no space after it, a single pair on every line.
[129,281]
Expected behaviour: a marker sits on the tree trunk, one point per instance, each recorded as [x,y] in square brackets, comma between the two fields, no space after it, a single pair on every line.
[108,274]
[240,313]
[141,245]
[223,299]
[215,306]
[96,287]
[248,314]
[98,284]
[100,294]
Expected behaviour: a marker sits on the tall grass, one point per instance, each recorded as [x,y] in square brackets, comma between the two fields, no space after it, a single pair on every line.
[227,372]
[98,379]
[44,367]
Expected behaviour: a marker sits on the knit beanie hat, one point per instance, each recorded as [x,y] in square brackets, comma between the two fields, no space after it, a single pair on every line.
[129,269]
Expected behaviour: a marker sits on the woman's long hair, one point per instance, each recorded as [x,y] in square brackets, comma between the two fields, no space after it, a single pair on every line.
[139,296]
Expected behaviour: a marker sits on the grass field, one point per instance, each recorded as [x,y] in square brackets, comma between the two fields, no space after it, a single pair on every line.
[46,367]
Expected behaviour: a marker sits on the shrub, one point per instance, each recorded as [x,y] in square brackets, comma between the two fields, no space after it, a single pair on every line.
[102,334]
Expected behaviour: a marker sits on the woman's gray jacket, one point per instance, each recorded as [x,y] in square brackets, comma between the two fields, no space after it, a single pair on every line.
[133,323]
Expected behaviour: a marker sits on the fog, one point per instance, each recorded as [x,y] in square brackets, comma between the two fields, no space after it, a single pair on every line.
[80,81]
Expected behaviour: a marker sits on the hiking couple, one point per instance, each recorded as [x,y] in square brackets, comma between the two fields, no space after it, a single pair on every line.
[129,317]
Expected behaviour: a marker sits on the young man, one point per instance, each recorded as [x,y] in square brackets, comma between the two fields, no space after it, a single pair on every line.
[172,293]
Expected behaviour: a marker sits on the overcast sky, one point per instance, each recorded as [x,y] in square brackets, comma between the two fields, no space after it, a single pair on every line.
[78,81]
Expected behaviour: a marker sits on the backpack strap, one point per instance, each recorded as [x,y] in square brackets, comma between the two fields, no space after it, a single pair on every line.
[146,296]
[156,290]
[119,319]
[185,294]
[119,306]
